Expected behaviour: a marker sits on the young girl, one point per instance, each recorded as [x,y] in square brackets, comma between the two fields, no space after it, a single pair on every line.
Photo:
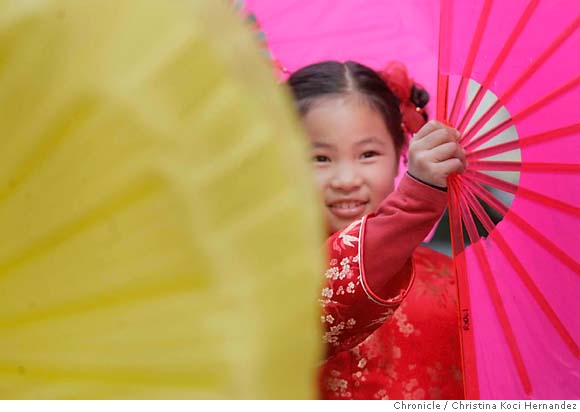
[384,339]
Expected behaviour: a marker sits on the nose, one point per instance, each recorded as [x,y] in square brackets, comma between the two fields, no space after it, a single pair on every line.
[345,178]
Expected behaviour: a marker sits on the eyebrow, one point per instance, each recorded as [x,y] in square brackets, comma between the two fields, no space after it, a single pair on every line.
[369,140]
[321,145]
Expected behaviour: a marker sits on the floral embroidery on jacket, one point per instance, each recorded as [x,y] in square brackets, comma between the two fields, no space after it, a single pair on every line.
[349,314]
[405,352]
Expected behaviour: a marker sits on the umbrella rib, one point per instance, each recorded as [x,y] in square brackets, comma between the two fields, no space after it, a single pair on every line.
[524,193]
[495,296]
[476,207]
[507,94]
[486,196]
[467,217]
[546,243]
[457,233]
[137,192]
[116,298]
[60,128]
[512,216]
[468,358]
[468,67]
[443,52]
[544,100]
[536,293]
[524,276]
[490,134]
[498,63]
[528,141]
[497,165]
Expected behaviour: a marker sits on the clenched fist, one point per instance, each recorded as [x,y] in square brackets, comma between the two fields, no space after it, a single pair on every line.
[434,153]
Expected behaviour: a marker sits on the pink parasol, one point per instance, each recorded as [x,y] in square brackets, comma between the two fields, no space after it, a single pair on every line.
[506,75]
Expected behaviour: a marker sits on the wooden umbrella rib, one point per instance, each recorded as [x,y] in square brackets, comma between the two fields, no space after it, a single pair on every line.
[486,196]
[524,193]
[535,292]
[495,295]
[468,218]
[477,208]
[516,166]
[515,218]
[543,241]
[523,274]
[444,46]
[468,355]
[503,317]
[510,91]
[487,136]
[468,67]
[526,141]
[538,104]
[498,63]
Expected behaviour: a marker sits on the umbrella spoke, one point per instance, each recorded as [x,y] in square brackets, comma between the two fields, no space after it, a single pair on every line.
[502,316]
[525,142]
[513,88]
[523,192]
[455,219]
[508,166]
[495,295]
[498,63]
[564,88]
[471,108]
[524,276]
[495,165]
[536,293]
[469,358]
[516,219]
[443,61]
[468,67]
[476,207]
[136,192]
[487,136]
[468,218]
[486,196]
[543,241]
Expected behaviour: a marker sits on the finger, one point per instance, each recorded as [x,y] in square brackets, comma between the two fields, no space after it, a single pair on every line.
[434,139]
[431,126]
[444,152]
[449,166]
[460,154]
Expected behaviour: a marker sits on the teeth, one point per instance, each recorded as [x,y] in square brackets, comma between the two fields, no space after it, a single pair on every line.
[347,205]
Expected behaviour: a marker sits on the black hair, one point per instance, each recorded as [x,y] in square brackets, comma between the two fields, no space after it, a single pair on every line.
[334,78]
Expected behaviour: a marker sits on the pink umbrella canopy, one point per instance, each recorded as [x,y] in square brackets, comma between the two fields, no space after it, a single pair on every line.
[505,74]
[519,278]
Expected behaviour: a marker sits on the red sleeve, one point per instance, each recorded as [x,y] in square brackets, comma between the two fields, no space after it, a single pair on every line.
[363,290]
[393,232]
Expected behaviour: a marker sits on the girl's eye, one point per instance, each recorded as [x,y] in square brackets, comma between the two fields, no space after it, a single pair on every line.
[321,159]
[369,154]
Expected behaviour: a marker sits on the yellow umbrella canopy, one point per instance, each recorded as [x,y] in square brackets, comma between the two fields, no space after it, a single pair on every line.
[159,234]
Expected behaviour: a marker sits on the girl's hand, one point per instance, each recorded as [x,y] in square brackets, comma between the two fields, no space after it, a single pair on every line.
[434,154]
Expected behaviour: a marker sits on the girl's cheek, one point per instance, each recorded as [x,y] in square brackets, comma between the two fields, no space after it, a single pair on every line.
[322,176]
[321,179]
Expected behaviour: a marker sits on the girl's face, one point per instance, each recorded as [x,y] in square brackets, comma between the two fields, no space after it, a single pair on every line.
[354,157]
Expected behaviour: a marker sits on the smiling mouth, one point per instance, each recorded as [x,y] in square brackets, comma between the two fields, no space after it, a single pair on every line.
[348,209]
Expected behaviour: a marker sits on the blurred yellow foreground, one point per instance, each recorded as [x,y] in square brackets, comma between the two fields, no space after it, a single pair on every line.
[159,234]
